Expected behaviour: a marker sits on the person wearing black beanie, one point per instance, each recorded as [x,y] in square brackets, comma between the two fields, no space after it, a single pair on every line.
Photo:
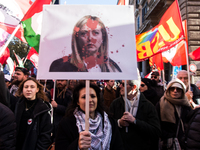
[148,91]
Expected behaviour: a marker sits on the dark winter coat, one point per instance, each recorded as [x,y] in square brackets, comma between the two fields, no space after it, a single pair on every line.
[193,130]
[151,95]
[169,129]
[7,128]
[38,134]
[67,135]
[108,96]
[145,133]
[62,102]
[196,93]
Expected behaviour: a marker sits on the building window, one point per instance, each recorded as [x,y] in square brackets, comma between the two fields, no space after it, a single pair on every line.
[137,3]
[138,22]
[144,12]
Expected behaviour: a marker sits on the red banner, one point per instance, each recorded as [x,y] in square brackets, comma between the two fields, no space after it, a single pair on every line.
[162,37]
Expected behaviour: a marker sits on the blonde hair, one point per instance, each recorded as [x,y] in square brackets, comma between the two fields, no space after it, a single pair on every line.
[77,52]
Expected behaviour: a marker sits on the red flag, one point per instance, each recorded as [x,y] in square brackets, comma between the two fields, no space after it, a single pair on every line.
[157,60]
[13,13]
[195,55]
[4,56]
[177,55]
[33,57]
[36,7]
[121,2]
[162,37]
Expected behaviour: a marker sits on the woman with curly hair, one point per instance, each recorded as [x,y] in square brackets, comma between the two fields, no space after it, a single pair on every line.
[33,117]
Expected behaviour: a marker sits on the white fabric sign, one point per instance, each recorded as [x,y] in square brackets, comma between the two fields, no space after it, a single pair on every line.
[87,42]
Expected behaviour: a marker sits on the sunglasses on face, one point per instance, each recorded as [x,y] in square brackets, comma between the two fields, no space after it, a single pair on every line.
[155,77]
[177,89]
[142,85]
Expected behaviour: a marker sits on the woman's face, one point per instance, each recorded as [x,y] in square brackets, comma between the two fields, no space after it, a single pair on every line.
[175,92]
[30,89]
[90,37]
[143,87]
[92,100]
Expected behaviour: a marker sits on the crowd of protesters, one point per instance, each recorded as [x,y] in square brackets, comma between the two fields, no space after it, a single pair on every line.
[36,113]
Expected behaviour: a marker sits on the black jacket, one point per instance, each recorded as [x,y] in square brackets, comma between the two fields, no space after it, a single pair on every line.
[152,96]
[62,101]
[7,128]
[169,129]
[38,134]
[67,135]
[62,65]
[145,133]
[193,130]
[196,93]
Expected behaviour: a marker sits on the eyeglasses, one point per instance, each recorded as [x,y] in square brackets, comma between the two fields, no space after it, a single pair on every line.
[177,89]
[155,77]
[142,85]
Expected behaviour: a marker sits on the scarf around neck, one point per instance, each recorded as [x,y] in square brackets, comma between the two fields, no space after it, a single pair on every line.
[168,106]
[101,137]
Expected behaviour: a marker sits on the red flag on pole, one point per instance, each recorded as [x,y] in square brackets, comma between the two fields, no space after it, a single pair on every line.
[177,55]
[157,60]
[195,55]
[33,57]
[162,37]
[4,56]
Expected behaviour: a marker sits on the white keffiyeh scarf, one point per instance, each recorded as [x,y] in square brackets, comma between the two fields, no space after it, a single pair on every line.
[101,137]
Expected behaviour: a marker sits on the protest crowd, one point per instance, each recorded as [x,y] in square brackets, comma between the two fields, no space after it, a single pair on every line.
[35,115]
[123,110]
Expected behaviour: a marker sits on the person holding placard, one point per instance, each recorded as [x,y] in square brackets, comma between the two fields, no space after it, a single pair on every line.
[103,131]
[89,49]
[141,118]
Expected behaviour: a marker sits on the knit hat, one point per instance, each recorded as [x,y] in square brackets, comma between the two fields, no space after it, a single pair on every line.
[147,82]
[177,85]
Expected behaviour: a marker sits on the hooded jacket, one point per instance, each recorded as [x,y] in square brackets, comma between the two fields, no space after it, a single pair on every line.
[38,134]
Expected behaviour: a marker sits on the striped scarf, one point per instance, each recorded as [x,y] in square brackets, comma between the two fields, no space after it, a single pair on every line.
[101,137]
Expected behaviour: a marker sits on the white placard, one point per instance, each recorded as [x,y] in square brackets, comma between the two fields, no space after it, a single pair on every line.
[55,53]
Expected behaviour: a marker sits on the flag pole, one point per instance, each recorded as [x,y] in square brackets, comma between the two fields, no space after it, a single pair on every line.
[163,74]
[54,89]
[186,49]
[26,56]
[125,94]
[9,39]
[187,59]
[87,125]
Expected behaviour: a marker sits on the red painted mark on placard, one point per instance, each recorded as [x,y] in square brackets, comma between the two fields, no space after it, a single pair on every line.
[65,58]
[100,60]
[90,61]
[92,23]
[76,29]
